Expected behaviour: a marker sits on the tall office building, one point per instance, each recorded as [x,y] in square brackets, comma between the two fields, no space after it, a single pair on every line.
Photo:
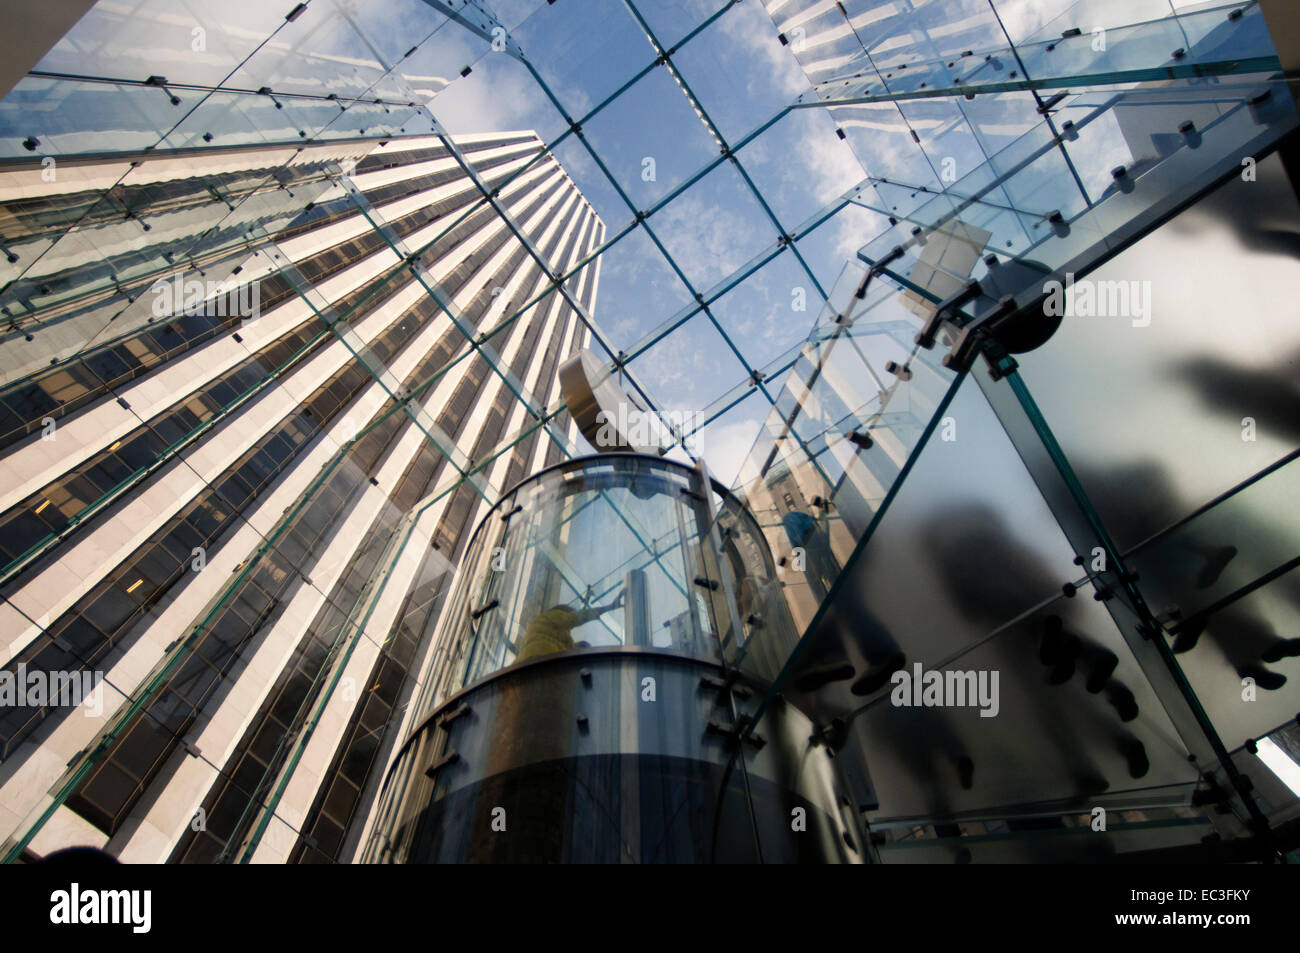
[205,462]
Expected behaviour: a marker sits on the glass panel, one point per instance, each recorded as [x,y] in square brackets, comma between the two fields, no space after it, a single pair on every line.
[433,206]
[600,555]
[1166,450]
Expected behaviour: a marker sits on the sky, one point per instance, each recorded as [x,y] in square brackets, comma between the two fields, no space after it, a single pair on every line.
[652,141]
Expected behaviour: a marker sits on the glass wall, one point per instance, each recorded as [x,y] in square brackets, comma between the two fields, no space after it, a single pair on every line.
[785,206]
[615,551]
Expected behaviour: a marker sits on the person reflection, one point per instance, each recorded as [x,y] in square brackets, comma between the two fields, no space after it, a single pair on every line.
[819,566]
[552,630]
[530,765]
[992,576]
[1191,559]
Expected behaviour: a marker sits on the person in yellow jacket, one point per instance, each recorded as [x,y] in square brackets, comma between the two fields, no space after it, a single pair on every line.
[552,630]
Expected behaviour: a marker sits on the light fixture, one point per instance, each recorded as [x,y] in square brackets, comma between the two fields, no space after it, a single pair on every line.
[1280,763]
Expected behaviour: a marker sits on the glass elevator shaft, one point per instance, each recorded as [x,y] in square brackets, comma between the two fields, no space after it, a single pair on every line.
[616,621]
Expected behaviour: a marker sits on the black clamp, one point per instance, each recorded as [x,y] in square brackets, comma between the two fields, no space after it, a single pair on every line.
[448,759]
[724,686]
[484,609]
[975,339]
[460,711]
[895,253]
[732,733]
[946,310]
[901,371]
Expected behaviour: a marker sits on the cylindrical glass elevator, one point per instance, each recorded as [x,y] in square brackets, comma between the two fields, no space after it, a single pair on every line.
[616,619]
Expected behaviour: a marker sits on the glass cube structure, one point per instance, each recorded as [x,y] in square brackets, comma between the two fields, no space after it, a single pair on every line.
[984,311]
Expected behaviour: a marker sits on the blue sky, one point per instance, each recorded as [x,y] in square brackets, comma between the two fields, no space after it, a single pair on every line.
[742,76]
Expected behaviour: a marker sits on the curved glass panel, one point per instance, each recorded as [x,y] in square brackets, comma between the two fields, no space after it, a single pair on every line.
[611,551]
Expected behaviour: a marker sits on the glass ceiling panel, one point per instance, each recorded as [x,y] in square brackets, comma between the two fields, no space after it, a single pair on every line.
[1029,21]
[497,95]
[64,117]
[650,139]
[637,285]
[672,20]
[577,71]
[511,13]
[689,367]
[654,144]
[720,64]
[833,240]
[800,166]
[767,314]
[157,37]
[714,227]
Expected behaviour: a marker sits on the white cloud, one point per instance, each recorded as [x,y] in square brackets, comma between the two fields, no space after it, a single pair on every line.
[497,96]
[754,29]
[725,444]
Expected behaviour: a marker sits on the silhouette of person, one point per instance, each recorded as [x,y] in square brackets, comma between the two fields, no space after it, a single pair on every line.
[552,630]
[819,567]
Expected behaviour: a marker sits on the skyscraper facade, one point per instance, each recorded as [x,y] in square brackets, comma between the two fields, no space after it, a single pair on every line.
[205,469]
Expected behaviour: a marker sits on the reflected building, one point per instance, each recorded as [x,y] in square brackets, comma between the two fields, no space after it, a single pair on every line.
[215,427]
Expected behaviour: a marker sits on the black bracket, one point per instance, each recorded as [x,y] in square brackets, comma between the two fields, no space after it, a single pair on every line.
[860,439]
[449,758]
[732,733]
[999,360]
[946,310]
[1048,104]
[976,339]
[723,686]
[901,371]
[459,711]
[895,253]
[486,608]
